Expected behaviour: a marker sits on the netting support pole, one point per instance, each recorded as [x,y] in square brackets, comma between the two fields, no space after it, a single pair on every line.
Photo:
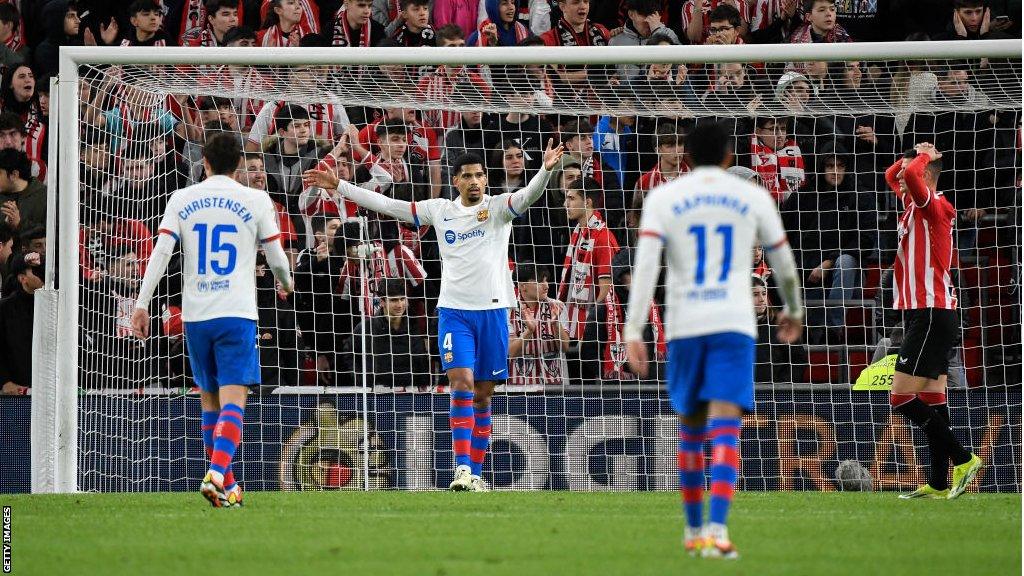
[43,427]
[364,238]
[68,275]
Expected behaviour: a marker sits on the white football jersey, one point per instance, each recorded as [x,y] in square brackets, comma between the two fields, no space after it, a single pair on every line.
[218,224]
[710,221]
[473,243]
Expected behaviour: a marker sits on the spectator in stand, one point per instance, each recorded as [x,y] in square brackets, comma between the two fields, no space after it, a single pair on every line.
[463,14]
[466,136]
[12,46]
[424,152]
[353,25]
[22,197]
[775,362]
[831,232]
[111,356]
[17,310]
[94,172]
[507,169]
[578,136]
[530,131]
[63,28]
[33,240]
[134,107]
[586,272]
[147,20]
[501,27]
[774,155]
[104,229]
[414,29]
[670,166]
[575,27]
[290,154]
[397,354]
[310,9]
[531,237]
[735,86]
[616,139]
[140,186]
[538,334]
[205,20]
[642,25]
[220,16]
[7,247]
[327,122]
[447,84]
[772,21]
[698,26]
[253,174]
[602,349]
[868,136]
[972,20]
[321,313]
[19,95]
[390,172]
[666,89]
[282,26]
[820,24]
[12,135]
[387,12]
[278,339]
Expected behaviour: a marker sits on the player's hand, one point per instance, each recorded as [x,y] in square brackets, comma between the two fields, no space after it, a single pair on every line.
[320,179]
[790,329]
[636,354]
[553,155]
[12,389]
[928,149]
[140,324]
[283,290]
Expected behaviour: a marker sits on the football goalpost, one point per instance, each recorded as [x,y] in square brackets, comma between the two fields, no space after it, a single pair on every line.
[353,397]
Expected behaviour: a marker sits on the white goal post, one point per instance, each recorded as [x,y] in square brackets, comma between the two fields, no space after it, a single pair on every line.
[56,460]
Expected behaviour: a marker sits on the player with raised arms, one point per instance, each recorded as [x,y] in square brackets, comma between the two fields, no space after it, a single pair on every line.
[219,224]
[707,223]
[476,290]
[923,290]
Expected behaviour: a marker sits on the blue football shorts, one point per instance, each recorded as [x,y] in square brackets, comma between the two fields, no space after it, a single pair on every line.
[476,339]
[710,367]
[223,352]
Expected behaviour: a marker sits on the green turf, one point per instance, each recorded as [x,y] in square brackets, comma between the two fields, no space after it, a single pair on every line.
[521,534]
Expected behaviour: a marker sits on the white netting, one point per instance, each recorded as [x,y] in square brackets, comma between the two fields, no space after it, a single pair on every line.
[818,135]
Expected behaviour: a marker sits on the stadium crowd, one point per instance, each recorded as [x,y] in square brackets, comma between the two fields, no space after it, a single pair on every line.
[371,287]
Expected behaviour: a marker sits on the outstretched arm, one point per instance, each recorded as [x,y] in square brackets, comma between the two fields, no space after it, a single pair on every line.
[399,209]
[914,176]
[521,200]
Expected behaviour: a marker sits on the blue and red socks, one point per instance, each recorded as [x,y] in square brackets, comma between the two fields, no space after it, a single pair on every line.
[481,439]
[691,473]
[725,462]
[209,422]
[460,418]
[227,435]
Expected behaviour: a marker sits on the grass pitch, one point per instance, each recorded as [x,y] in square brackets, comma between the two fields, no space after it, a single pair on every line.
[520,534]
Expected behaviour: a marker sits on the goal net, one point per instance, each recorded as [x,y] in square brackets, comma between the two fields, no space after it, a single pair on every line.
[353,396]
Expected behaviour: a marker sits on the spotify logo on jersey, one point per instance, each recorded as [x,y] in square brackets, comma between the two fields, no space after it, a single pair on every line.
[449,236]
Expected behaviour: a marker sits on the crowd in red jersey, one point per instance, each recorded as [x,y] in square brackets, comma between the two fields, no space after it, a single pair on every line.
[572,252]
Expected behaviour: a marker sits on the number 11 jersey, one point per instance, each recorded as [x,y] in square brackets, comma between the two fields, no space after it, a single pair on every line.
[218,224]
[709,222]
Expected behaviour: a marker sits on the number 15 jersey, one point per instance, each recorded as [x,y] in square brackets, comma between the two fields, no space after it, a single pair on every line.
[709,222]
[218,224]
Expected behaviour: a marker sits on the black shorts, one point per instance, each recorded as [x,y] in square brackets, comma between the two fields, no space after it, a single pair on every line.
[928,337]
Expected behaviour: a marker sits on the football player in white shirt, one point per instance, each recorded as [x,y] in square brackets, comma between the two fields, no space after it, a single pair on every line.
[218,223]
[476,290]
[707,223]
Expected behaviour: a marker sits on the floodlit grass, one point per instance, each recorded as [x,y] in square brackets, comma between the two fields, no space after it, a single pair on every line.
[521,534]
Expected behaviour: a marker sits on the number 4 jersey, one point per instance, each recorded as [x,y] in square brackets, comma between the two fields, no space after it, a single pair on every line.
[218,224]
[709,222]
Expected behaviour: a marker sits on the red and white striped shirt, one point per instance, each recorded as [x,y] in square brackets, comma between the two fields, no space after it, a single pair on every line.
[925,254]
[542,362]
[655,177]
[588,259]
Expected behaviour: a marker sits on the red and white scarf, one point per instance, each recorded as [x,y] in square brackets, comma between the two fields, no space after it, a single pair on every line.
[275,37]
[35,138]
[309,23]
[194,21]
[343,32]
[542,362]
[578,284]
[17,40]
[592,35]
[782,171]
[352,283]
[655,177]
